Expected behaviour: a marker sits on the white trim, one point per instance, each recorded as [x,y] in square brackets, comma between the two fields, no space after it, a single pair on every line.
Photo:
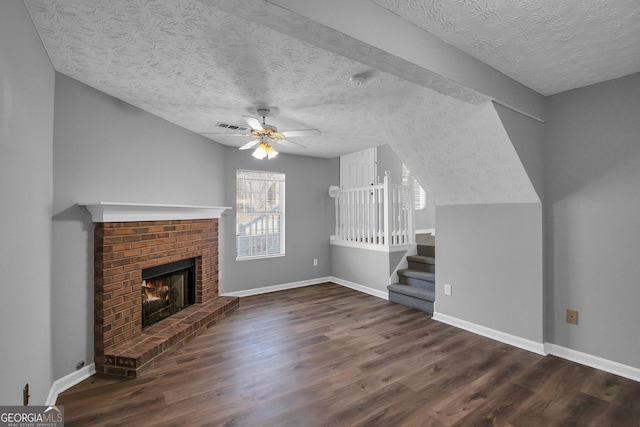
[126,212]
[593,361]
[517,110]
[596,362]
[82,374]
[535,347]
[311,282]
[431,231]
[276,288]
[69,381]
[334,240]
[249,258]
[361,288]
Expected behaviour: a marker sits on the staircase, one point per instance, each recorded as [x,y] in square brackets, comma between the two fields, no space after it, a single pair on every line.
[417,287]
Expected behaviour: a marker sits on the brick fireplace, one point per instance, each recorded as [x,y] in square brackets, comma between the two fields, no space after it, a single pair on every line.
[130,238]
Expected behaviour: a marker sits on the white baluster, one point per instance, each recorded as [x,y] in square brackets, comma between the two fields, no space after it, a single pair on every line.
[387,204]
[380,215]
[336,203]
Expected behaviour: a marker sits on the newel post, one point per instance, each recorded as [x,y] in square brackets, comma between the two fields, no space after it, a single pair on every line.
[334,191]
[386,201]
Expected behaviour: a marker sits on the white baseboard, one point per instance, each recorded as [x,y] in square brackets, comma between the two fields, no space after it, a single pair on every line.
[68,381]
[311,282]
[275,288]
[596,362]
[513,340]
[593,361]
[361,288]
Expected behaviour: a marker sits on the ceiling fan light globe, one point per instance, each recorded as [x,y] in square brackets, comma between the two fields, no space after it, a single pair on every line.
[258,155]
[271,152]
[260,152]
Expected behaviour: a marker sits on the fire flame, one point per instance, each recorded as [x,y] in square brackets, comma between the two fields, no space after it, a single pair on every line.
[154,290]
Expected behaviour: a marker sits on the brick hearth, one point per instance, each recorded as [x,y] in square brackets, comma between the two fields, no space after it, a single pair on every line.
[122,250]
[163,338]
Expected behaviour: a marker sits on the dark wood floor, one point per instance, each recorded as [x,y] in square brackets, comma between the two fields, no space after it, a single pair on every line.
[328,355]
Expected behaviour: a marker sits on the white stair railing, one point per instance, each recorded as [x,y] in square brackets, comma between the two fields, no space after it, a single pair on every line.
[379,216]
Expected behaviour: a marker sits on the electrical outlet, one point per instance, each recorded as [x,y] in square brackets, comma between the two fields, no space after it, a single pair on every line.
[572,316]
[447,289]
[315,261]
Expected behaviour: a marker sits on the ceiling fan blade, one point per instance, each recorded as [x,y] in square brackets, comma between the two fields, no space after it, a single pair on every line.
[253,122]
[249,144]
[226,134]
[288,143]
[302,132]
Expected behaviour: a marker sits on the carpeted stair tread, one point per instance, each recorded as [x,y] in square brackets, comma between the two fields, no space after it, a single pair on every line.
[412,291]
[417,287]
[417,274]
[421,259]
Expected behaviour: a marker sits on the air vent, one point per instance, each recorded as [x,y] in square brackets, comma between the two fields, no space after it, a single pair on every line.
[233,127]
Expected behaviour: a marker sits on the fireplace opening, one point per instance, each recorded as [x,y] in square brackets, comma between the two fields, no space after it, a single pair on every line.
[167,289]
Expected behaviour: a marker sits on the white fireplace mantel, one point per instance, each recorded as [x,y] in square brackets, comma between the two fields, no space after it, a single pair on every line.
[127,212]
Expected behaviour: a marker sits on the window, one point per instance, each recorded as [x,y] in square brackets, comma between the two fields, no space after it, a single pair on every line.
[419,195]
[259,214]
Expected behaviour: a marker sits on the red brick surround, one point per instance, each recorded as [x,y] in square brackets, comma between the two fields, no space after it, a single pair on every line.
[122,250]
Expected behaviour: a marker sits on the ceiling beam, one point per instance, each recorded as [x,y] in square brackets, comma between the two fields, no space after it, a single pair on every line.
[384,31]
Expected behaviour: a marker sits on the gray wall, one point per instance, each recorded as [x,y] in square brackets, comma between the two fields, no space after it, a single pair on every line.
[492,257]
[310,220]
[588,177]
[527,137]
[108,150]
[371,269]
[593,213]
[26,144]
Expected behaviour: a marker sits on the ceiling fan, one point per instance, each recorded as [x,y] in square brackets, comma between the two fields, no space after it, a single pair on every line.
[265,134]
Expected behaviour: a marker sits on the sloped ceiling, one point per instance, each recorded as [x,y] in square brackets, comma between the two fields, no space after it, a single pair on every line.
[551,46]
[472,162]
[195,63]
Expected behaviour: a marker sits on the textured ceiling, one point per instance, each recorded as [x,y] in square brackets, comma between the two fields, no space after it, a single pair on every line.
[199,62]
[460,150]
[195,65]
[548,45]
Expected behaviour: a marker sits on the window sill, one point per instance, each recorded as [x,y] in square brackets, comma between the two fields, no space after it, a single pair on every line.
[249,258]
